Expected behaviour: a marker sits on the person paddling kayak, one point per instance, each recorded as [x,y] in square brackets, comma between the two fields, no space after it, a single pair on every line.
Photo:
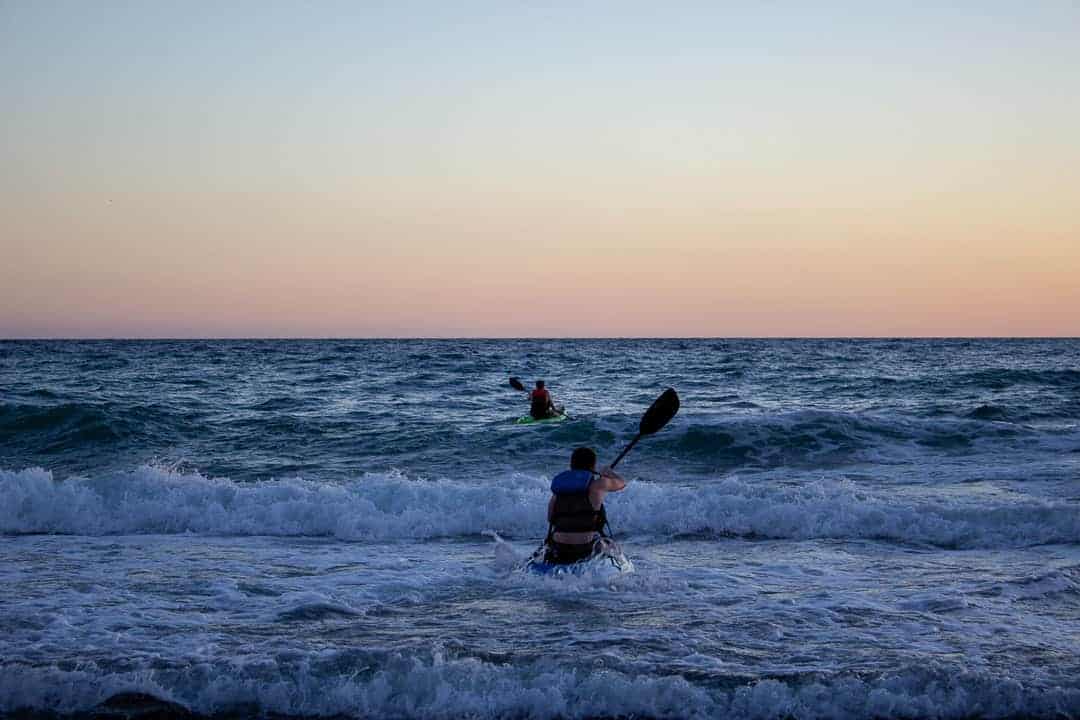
[577,520]
[542,405]
[576,514]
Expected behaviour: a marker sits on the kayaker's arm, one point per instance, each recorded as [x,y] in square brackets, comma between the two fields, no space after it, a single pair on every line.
[609,481]
[551,507]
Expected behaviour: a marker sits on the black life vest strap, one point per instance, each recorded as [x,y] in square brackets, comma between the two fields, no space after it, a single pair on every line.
[574,513]
[601,525]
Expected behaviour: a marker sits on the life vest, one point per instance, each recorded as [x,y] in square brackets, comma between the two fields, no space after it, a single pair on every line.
[541,398]
[573,512]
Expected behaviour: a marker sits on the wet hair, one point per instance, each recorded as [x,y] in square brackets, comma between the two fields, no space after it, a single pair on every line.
[539,384]
[583,458]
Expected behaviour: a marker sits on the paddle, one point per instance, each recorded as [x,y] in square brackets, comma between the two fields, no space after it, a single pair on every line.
[657,416]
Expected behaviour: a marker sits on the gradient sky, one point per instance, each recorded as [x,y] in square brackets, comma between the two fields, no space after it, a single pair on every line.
[575,169]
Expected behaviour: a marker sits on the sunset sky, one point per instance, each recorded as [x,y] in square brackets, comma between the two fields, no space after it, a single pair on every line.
[575,169]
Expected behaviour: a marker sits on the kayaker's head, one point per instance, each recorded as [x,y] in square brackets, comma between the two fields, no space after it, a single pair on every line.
[583,458]
[539,384]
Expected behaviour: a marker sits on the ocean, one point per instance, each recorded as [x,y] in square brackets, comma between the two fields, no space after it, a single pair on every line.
[827,529]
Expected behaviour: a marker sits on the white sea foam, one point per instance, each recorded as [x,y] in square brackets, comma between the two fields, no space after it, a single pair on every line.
[392,506]
[439,687]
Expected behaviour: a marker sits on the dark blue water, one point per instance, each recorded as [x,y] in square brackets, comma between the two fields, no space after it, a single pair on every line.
[829,528]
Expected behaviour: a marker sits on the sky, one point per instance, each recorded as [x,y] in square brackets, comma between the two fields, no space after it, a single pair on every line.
[351,169]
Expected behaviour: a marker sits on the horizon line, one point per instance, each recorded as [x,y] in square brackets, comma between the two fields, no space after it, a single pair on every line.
[376,338]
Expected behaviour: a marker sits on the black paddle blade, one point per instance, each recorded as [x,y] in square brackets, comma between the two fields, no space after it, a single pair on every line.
[516,384]
[660,412]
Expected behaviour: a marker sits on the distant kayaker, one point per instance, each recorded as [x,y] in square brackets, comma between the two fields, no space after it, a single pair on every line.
[543,406]
[576,514]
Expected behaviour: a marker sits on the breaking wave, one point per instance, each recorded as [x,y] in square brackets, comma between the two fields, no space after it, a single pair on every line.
[358,683]
[392,506]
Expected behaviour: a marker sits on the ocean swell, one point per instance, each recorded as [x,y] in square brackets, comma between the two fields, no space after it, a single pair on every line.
[67,424]
[818,438]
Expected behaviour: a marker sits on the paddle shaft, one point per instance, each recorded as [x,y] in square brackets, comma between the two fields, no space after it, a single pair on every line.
[611,530]
[657,416]
[625,450]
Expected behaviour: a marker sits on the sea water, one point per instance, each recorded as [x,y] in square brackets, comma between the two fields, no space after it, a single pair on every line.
[827,529]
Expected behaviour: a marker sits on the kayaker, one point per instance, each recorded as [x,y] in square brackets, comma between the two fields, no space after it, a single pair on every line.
[542,404]
[576,515]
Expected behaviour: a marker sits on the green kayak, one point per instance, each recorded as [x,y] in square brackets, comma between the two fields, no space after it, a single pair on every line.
[530,420]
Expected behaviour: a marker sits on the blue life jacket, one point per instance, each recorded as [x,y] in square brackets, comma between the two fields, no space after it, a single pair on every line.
[572,511]
[571,482]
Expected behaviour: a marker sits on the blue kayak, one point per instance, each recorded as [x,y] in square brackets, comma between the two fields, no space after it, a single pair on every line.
[609,562]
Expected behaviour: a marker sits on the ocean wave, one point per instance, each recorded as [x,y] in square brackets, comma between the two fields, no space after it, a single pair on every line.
[989,412]
[1001,378]
[357,683]
[815,438]
[1060,582]
[821,438]
[61,426]
[159,501]
[841,509]
[392,506]
[257,431]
